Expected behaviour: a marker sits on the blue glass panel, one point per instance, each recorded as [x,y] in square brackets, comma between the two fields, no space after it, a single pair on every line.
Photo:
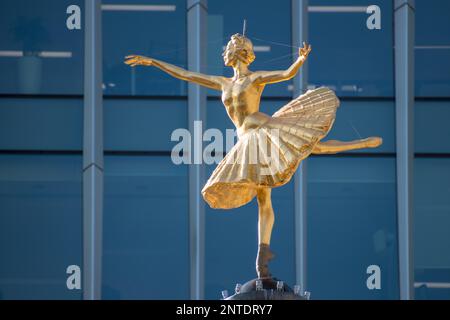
[232,242]
[352,224]
[431,222]
[269,28]
[432,48]
[145,229]
[431,127]
[38,53]
[40,225]
[142,125]
[346,55]
[41,123]
[156,30]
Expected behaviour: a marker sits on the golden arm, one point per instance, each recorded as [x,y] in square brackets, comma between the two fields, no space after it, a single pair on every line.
[213,82]
[266,77]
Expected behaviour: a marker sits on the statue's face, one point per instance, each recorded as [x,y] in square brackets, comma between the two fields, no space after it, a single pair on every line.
[229,56]
[235,52]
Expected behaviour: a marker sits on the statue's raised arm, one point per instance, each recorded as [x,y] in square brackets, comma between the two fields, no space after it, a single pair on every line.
[266,77]
[212,82]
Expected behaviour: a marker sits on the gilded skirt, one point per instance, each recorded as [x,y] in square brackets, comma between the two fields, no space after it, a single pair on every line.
[268,154]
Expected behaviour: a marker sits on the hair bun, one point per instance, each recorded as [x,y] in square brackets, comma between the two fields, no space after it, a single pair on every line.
[242,43]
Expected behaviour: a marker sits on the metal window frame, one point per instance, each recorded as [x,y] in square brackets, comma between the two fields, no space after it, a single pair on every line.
[299,35]
[197,19]
[404,107]
[92,152]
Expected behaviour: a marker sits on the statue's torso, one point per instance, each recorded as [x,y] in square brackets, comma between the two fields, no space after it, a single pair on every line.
[241,98]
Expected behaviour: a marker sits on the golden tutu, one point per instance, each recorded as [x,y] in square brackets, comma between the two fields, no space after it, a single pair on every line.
[298,125]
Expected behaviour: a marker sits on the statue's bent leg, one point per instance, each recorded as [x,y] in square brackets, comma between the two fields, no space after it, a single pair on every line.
[335,146]
[265,224]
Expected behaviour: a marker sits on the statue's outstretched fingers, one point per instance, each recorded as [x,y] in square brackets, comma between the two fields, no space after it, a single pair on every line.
[131,60]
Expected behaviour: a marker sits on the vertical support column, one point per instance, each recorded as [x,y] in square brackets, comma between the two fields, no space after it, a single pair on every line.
[404,105]
[92,152]
[300,34]
[197,23]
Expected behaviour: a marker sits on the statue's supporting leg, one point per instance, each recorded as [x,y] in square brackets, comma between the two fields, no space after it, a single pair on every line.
[266,220]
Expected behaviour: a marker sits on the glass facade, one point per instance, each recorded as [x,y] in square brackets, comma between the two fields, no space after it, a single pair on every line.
[40,225]
[352,225]
[155,30]
[432,49]
[431,220]
[38,53]
[145,238]
[352,215]
[146,204]
[432,151]
[352,219]
[41,134]
[341,39]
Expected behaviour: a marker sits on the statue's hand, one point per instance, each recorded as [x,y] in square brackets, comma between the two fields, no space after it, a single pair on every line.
[304,52]
[135,60]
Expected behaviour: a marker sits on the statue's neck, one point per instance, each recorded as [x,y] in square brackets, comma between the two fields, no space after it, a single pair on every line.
[240,70]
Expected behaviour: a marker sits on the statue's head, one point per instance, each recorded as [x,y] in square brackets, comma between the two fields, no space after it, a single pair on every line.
[239,48]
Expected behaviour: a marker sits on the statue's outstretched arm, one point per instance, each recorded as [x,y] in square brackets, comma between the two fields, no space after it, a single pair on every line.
[213,82]
[335,146]
[266,77]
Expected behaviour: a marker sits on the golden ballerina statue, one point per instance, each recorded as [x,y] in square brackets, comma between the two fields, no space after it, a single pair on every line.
[300,126]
